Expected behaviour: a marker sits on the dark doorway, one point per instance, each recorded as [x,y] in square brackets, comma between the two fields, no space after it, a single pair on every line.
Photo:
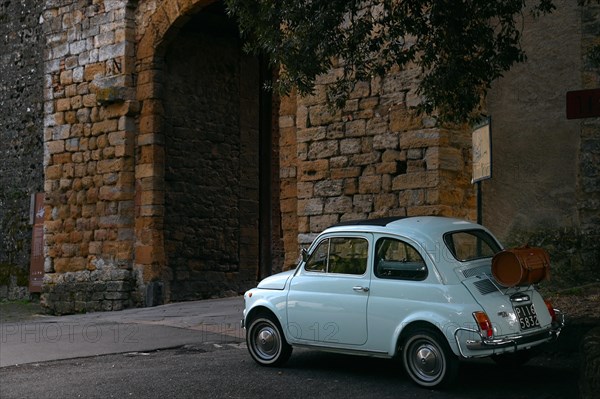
[212,129]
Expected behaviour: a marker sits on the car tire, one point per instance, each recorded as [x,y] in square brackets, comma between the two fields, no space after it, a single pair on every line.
[513,359]
[266,342]
[428,359]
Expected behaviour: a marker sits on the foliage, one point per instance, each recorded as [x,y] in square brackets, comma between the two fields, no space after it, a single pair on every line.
[461,46]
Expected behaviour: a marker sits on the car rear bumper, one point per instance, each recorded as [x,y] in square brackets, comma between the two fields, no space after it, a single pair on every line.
[515,342]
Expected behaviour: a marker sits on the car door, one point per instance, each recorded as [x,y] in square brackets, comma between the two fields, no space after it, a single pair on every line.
[327,299]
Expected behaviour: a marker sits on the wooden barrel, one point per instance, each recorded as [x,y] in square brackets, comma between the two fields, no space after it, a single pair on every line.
[521,266]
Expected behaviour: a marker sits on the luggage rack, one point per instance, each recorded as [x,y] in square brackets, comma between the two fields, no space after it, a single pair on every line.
[507,290]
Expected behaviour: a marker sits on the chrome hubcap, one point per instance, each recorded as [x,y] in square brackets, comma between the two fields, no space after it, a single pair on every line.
[427,361]
[267,342]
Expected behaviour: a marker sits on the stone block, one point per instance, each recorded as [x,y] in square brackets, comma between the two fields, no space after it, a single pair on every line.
[445,158]
[63,104]
[314,170]
[320,115]
[342,173]
[328,188]
[356,128]
[402,119]
[362,203]
[104,126]
[423,139]
[54,172]
[341,204]
[430,210]
[350,146]
[386,168]
[288,189]
[64,265]
[386,201]
[320,223]
[369,184]
[93,71]
[309,207]
[311,134]
[428,179]
[55,147]
[323,149]
[305,189]
[366,159]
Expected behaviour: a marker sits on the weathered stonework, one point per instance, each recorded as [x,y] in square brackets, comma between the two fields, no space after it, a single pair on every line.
[375,158]
[21,126]
[169,175]
[89,141]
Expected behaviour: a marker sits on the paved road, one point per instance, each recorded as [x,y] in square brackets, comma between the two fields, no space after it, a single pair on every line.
[225,370]
[196,350]
[131,330]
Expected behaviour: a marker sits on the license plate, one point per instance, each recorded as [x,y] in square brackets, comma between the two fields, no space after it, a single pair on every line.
[527,317]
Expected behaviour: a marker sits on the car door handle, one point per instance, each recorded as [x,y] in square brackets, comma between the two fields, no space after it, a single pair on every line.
[359,288]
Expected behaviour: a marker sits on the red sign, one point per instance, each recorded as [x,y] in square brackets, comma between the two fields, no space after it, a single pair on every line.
[583,104]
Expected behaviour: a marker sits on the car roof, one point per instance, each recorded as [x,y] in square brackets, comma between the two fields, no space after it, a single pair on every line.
[420,228]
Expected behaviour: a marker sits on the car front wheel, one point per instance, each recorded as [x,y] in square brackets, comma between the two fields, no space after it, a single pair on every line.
[428,359]
[266,342]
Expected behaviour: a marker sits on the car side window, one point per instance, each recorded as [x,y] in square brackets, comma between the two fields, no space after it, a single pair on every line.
[471,244]
[342,255]
[396,259]
[318,259]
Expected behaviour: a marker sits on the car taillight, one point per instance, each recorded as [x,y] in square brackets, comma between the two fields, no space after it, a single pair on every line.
[550,309]
[484,323]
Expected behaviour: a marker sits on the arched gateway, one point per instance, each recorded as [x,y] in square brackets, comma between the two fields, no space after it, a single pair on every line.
[210,120]
[170,175]
[183,205]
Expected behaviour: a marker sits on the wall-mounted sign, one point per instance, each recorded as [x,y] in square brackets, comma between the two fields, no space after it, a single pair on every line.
[36,265]
[482,151]
[583,104]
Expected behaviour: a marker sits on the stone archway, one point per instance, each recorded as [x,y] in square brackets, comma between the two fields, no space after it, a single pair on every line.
[197,156]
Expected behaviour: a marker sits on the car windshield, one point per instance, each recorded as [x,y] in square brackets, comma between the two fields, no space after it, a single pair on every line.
[466,245]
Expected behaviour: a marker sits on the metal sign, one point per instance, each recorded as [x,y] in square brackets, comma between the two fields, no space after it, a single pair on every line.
[482,151]
[583,104]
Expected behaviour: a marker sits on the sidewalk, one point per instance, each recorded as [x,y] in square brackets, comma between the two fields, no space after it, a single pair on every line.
[45,338]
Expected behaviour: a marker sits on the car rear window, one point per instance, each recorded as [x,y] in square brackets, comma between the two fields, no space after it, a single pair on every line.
[466,245]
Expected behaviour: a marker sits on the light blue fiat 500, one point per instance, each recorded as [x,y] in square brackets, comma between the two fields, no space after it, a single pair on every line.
[417,288]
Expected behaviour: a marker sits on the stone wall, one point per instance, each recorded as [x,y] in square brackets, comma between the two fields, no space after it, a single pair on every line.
[21,127]
[372,159]
[88,155]
[544,190]
[147,108]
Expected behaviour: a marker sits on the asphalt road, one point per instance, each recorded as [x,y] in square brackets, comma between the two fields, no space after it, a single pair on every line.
[222,368]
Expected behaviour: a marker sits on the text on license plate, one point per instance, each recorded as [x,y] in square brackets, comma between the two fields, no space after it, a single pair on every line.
[527,317]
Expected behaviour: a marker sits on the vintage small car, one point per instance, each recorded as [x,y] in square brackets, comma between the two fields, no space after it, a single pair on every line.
[418,288]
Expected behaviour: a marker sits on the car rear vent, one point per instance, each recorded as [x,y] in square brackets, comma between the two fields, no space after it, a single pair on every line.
[476,271]
[485,286]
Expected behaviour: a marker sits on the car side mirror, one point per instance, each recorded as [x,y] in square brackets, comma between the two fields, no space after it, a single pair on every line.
[304,254]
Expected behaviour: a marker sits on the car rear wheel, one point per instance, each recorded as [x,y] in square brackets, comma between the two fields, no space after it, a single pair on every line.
[428,359]
[266,342]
